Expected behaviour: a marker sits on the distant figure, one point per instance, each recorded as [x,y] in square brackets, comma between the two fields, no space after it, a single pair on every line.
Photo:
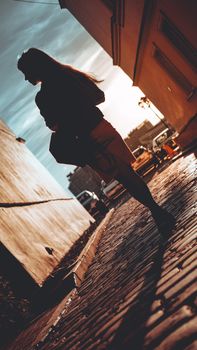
[169,151]
[80,135]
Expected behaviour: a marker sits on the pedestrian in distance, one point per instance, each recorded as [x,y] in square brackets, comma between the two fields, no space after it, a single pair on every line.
[68,101]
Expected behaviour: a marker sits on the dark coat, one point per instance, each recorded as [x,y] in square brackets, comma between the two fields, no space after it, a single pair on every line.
[71,105]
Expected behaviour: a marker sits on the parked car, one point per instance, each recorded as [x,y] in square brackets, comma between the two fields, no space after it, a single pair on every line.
[92,203]
[166,137]
[145,160]
[112,189]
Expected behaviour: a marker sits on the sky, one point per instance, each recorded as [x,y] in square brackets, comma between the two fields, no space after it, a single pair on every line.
[47,27]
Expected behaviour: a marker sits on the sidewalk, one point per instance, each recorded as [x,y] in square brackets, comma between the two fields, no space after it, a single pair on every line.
[139,292]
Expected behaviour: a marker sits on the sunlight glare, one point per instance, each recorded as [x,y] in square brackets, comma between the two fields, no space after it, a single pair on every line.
[121,106]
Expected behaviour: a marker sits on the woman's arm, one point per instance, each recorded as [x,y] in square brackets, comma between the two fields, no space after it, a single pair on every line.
[101,97]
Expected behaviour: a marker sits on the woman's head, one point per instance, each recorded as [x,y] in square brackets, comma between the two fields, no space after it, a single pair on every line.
[36,65]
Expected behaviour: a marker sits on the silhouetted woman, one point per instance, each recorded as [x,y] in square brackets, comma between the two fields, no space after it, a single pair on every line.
[68,101]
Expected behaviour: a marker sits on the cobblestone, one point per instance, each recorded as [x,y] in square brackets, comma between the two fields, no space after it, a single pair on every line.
[139,292]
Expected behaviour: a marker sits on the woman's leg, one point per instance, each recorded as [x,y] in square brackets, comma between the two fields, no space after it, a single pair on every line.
[115,162]
[136,187]
[140,191]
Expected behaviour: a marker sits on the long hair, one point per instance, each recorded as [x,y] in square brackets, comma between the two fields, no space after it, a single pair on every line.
[43,66]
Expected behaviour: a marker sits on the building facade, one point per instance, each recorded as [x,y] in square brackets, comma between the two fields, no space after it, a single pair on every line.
[39,224]
[143,135]
[133,138]
[84,179]
[154,42]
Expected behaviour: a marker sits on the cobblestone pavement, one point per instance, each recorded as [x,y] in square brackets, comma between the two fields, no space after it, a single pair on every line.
[139,292]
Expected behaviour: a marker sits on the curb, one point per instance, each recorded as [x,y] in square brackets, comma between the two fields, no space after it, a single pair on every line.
[88,253]
[72,281]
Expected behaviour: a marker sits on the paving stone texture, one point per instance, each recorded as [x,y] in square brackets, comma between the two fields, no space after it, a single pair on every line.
[139,292]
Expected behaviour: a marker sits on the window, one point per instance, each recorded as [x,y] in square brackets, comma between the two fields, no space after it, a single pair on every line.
[179,41]
[173,71]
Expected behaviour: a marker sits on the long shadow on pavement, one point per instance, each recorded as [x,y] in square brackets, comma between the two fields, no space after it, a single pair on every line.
[133,329]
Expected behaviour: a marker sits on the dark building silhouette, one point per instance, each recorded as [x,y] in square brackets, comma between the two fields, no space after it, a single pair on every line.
[133,138]
[143,135]
[84,179]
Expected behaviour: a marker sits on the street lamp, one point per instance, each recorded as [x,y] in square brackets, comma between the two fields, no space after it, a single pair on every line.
[145,102]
